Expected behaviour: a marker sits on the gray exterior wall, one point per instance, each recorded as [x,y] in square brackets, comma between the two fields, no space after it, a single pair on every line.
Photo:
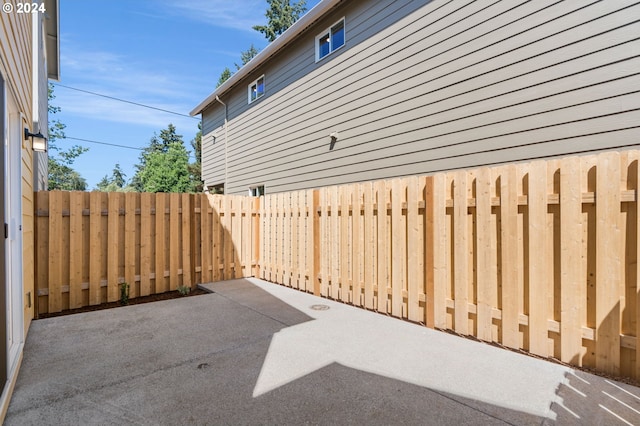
[422,87]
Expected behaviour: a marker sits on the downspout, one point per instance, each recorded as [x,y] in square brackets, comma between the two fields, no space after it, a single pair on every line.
[225,142]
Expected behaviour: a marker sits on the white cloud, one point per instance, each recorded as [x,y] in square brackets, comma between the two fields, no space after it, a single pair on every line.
[240,15]
[118,76]
[96,108]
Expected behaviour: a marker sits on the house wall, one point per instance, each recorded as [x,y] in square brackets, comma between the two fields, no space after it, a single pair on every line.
[15,66]
[422,87]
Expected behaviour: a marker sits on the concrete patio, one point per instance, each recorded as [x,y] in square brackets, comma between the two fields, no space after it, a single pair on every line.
[258,353]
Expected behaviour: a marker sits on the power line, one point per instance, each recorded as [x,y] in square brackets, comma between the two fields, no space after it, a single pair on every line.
[103,143]
[125,101]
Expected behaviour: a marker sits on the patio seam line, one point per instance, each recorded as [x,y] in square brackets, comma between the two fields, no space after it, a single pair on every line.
[78,391]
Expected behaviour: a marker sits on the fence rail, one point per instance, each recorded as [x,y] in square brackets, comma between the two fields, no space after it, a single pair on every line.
[540,256]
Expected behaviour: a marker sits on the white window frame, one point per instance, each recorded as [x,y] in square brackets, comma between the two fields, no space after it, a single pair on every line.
[253,84]
[255,189]
[328,32]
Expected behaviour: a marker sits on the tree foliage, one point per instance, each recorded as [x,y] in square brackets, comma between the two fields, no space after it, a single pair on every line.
[226,75]
[195,168]
[61,174]
[247,55]
[116,183]
[164,165]
[281,14]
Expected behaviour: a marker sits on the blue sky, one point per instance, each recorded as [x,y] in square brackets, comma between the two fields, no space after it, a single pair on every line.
[166,54]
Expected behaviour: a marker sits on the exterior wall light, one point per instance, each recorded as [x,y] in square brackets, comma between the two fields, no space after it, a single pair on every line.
[38,141]
[334,139]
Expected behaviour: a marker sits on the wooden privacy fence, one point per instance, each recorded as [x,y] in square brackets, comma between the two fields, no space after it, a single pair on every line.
[539,256]
[88,243]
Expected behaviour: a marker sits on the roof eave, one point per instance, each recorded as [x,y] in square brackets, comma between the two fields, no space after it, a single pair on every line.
[52,43]
[317,12]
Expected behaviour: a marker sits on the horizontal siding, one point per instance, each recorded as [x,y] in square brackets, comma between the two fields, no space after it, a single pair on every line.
[16,65]
[449,85]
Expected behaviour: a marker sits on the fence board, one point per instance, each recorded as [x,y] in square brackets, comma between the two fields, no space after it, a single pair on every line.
[461,253]
[130,243]
[572,297]
[174,240]
[537,279]
[335,239]
[509,260]
[344,252]
[55,248]
[146,244]
[113,293]
[76,257]
[382,257]
[95,235]
[414,252]
[160,241]
[369,246]
[608,263]
[485,269]
[358,245]
[297,241]
[398,248]
[187,246]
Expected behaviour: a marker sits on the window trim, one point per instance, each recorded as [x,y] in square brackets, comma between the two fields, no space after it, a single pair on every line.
[255,83]
[253,189]
[328,32]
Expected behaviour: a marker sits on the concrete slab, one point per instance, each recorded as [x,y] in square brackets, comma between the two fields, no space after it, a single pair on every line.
[257,353]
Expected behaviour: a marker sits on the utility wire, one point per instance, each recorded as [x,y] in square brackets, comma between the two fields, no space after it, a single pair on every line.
[125,101]
[103,143]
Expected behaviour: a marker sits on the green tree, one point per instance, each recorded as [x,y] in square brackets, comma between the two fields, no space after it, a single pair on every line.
[115,183]
[61,174]
[195,168]
[247,55]
[281,14]
[167,171]
[226,75]
[164,164]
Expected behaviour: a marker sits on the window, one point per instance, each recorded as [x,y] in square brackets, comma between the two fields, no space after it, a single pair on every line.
[256,89]
[330,40]
[256,191]
[216,189]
